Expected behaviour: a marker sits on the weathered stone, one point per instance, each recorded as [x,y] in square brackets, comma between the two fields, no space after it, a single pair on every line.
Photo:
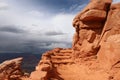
[66,51]
[38,75]
[11,69]
[100,4]
[95,54]
[90,24]
[91,36]
[93,15]
[109,52]
[112,25]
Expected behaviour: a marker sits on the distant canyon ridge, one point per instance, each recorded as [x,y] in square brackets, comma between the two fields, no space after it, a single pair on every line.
[94,55]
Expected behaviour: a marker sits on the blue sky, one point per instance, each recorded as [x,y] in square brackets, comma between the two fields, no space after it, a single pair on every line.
[40,24]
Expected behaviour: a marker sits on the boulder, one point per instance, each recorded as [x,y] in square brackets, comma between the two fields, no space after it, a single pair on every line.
[93,15]
[90,25]
[11,69]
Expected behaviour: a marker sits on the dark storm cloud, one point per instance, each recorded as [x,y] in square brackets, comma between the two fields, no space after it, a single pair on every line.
[11,29]
[15,39]
[54,33]
[10,42]
[18,44]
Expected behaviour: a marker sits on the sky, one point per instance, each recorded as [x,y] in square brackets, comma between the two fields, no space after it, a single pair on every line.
[36,25]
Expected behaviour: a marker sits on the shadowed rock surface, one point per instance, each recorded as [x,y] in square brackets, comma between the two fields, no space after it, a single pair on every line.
[95,52]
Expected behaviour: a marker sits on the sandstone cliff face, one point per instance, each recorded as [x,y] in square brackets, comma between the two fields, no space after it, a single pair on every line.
[89,24]
[110,39]
[95,52]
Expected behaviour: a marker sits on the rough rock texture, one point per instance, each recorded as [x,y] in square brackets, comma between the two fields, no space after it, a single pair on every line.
[47,67]
[11,69]
[110,38]
[89,24]
[95,52]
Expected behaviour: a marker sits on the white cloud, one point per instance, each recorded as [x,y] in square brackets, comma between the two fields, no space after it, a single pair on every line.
[63,22]
[36,13]
[3,6]
[55,45]
[37,24]
[77,7]
[36,27]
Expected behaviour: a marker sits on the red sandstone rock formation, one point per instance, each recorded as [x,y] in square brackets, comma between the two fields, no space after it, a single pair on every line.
[47,67]
[110,39]
[11,69]
[95,51]
[95,54]
[89,24]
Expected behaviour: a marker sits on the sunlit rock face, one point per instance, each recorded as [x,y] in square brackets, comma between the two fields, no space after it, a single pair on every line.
[95,51]
[110,41]
[89,24]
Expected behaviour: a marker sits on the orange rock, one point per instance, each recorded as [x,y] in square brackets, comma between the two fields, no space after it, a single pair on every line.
[91,36]
[93,15]
[38,75]
[90,24]
[106,1]
[93,5]
[66,51]
[99,5]
[109,52]
[11,69]
[95,51]
[117,76]
[112,25]
[88,50]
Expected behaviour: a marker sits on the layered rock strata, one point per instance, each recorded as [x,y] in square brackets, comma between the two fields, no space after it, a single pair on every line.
[95,49]
[47,66]
[95,52]
[89,24]
[11,69]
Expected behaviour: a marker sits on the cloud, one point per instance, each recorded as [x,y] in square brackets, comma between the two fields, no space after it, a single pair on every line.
[34,30]
[22,43]
[32,39]
[54,33]
[36,13]
[3,6]
[75,8]
[11,29]
[54,45]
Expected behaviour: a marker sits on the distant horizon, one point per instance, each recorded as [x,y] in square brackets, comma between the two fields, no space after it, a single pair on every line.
[15,52]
